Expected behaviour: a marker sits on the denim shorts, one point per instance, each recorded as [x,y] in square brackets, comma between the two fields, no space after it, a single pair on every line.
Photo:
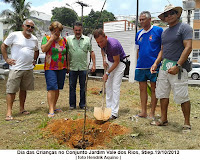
[142,75]
[55,79]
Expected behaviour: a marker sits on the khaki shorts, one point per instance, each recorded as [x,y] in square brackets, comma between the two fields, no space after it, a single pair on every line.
[166,82]
[22,79]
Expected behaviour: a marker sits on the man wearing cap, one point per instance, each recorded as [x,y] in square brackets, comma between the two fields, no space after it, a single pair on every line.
[148,44]
[175,49]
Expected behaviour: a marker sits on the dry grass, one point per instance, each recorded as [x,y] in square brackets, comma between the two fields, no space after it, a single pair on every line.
[25,132]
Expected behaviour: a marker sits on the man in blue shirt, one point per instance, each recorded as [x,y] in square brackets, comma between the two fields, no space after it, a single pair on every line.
[148,43]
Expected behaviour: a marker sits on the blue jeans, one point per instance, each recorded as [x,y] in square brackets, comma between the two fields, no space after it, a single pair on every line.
[73,76]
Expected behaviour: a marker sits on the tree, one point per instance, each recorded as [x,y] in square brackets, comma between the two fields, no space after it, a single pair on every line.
[16,18]
[90,21]
[65,16]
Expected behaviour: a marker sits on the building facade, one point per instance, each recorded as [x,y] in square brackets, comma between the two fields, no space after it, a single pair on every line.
[194,20]
[196,27]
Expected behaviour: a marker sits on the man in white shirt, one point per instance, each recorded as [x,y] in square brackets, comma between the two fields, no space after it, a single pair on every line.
[24,53]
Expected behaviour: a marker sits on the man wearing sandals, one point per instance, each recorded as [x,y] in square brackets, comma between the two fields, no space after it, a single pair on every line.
[24,53]
[176,47]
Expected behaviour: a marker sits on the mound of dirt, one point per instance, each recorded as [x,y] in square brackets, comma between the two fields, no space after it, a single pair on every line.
[70,132]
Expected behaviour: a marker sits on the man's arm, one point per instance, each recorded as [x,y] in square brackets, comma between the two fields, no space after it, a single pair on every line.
[157,61]
[93,61]
[36,54]
[5,55]
[186,52]
[105,64]
[137,53]
[114,65]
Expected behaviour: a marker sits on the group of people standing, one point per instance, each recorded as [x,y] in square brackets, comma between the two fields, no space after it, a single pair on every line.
[171,47]
[62,55]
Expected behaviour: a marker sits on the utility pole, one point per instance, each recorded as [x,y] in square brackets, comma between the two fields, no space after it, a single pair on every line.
[136,20]
[82,5]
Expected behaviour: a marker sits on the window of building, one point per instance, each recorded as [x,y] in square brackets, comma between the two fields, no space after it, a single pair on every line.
[197,14]
[197,34]
[196,54]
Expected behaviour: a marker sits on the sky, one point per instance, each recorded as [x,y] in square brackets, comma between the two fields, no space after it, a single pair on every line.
[117,7]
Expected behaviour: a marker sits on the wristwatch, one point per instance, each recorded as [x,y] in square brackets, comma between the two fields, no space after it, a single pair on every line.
[107,73]
[178,65]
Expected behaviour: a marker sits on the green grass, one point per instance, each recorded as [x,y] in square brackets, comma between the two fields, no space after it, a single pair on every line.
[26,132]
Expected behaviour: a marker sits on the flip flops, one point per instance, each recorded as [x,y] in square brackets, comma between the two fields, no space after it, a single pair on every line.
[51,115]
[140,116]
[159,123]
[58,110]
[9,118]
[186,128]
[25,112]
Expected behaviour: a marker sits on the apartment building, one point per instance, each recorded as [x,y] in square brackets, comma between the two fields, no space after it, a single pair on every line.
[194,22]
[196,27]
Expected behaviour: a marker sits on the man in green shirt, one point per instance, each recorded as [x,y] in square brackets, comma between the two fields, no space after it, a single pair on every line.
[78,48]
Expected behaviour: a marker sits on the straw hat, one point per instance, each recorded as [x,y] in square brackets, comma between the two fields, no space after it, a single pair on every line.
[168,8]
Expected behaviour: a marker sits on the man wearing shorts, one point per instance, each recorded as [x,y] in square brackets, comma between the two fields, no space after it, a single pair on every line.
[176,47]
[148,43]
[24,53]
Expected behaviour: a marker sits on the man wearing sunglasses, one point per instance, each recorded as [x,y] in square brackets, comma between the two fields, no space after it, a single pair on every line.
[175,49]
[24,53]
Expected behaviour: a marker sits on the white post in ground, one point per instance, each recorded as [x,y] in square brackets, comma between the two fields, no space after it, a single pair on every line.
[133,59]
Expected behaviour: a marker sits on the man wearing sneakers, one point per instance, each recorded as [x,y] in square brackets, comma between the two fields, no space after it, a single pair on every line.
[148,43]
[176,47]
[24,53]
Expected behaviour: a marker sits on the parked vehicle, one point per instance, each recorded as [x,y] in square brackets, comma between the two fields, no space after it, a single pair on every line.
[195,72]
[39,67]
[3,64]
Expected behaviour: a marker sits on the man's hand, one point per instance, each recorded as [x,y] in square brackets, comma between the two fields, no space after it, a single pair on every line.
[105,77]
[68,69]
[34,62]
[153,68]
[11,61]
[173,70]
[93,69]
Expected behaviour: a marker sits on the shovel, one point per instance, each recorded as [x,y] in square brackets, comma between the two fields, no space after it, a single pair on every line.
[102,113]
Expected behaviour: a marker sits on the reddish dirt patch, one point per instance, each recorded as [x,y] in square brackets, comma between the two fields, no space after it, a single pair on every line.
[70,132]
[95,91]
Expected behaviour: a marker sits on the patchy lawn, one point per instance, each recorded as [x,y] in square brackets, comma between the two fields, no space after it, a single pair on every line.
[27,132]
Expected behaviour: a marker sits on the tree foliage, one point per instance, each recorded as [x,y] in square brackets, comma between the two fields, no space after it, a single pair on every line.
[90,21]
[15,18]
[65,16]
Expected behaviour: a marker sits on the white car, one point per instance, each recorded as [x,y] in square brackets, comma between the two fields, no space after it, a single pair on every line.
[195,72]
